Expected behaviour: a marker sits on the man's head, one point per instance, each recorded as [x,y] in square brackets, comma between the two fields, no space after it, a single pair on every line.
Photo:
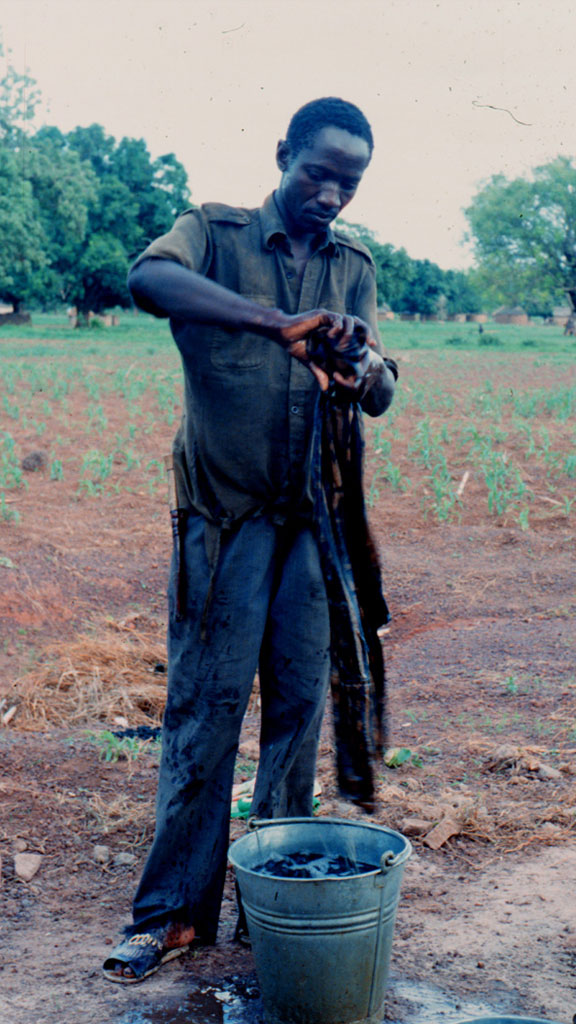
[330,112]
[326,151]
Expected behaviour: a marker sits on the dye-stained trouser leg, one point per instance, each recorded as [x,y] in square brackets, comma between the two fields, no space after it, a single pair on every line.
[294,673]
[266,574]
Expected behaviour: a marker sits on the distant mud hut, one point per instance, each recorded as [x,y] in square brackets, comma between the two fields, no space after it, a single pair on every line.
[511,315]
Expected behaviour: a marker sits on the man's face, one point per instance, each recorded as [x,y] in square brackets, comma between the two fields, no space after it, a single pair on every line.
[319,181]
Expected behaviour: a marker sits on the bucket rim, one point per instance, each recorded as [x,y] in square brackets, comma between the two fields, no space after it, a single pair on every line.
[254,825]
[507,1019]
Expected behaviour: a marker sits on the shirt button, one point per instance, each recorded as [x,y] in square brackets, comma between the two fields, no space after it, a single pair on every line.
[295,409]
[289,274]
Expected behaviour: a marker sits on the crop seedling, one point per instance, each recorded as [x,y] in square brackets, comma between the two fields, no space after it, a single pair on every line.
[56,469]
[117,748]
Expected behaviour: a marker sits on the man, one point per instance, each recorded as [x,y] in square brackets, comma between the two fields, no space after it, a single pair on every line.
[268,308]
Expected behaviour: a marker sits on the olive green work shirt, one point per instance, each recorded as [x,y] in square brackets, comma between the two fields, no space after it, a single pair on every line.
[243,444]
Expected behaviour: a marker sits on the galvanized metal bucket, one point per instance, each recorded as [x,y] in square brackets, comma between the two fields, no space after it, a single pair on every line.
[509,1020]
[321,945]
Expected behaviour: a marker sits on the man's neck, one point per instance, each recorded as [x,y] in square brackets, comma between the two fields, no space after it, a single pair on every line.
[303,243]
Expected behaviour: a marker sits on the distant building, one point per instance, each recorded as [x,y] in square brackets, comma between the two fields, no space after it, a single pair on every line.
[511,315]
[560,316]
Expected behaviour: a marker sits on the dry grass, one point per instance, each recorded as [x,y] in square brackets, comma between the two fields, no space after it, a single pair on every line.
[509,805]
[121,813]
[97,678]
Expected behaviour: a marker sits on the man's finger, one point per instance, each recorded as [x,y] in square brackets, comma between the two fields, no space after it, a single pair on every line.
[351,383]
[321,376]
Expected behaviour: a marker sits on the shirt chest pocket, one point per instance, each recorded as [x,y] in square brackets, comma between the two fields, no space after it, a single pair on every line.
[234,350]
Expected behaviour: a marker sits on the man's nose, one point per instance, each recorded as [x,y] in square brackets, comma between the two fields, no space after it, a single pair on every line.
[329,195]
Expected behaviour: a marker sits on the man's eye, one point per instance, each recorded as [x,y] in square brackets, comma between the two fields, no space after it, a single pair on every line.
[349,186]
[314,174]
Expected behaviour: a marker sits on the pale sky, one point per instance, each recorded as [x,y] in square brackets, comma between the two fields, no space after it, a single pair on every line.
[216,83]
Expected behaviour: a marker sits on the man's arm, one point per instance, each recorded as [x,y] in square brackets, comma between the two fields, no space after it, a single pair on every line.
[166,288]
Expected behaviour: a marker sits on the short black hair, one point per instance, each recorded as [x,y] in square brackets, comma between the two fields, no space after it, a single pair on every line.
[329,112]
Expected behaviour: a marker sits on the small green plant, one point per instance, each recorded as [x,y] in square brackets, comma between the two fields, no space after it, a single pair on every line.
[117,748]
[8,515]
[511,685]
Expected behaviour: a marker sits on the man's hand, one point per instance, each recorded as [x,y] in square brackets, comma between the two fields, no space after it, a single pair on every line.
[333,346]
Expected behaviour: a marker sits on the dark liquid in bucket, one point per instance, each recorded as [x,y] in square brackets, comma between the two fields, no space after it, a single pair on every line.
[313,865]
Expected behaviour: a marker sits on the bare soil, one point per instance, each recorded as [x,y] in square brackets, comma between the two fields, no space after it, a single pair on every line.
[482,684]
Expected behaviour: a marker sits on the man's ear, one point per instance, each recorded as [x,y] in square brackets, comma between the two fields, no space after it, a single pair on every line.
[283,155]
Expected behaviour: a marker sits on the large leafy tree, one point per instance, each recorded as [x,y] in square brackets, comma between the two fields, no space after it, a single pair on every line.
[22,238]
[75,208]
[524,232]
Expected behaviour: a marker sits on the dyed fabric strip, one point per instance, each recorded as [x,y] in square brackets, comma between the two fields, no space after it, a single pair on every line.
[357,606]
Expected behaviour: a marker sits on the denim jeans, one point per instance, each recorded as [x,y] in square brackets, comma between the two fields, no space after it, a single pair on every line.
[267,610]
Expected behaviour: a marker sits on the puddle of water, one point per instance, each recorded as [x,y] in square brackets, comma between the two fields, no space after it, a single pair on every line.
[234,1001]
[426,1004]
[237,1001]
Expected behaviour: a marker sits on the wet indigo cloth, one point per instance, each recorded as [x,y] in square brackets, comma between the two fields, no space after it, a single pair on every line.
[353,585]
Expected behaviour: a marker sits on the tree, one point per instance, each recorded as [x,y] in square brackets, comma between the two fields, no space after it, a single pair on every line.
[394,268]
[424,292]
[23,246]
[75,208]
[462,293]
[524,231]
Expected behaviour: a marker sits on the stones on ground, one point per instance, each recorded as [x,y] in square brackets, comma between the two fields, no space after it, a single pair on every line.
[548,774]
[124,860]
[415,826]
[27,865]
[101,854]
[503,759]
[442,832]
[20,845]
[34,461]
[9,714]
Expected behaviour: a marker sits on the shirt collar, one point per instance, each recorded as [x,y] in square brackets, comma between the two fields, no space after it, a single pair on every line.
[274,230]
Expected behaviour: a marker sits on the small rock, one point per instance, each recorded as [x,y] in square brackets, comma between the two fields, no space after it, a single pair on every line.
[20,845]
[547,773]
[10,714]
[101,854]
[415,826]
[26,865]
[34,461]
[250,749]
[124,860]
[441,833]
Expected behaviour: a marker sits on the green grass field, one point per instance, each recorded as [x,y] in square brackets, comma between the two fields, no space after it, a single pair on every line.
[500,404]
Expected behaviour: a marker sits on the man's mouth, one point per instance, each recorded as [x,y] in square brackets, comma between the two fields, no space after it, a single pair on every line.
[322,216]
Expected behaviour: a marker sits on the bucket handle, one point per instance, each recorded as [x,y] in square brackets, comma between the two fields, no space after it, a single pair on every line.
[388,861]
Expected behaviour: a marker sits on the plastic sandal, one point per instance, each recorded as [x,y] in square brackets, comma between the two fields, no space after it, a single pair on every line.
[144,954]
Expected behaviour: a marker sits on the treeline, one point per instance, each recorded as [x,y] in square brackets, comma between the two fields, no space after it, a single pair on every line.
[75,207]
[418,286]
[523,232]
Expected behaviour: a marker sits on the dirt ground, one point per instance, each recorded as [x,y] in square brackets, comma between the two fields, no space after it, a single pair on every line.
[482,683]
